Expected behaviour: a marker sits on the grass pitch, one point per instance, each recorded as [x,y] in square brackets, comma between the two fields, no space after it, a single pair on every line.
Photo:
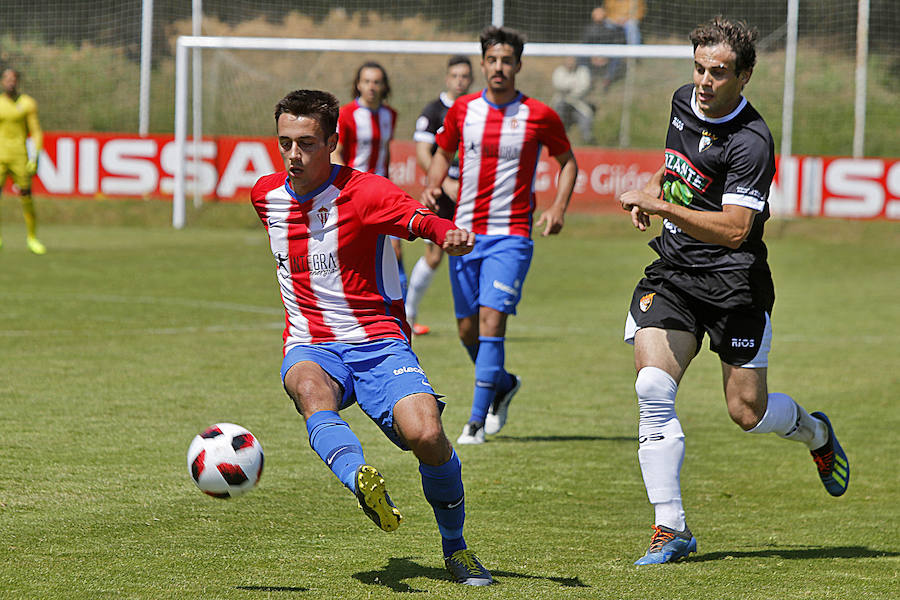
[123,342]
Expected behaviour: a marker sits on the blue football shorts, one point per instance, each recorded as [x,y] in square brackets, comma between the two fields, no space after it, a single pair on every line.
[490,275]
[375,375]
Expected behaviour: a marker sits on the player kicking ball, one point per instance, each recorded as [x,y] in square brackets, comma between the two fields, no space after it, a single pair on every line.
[712,278]
[346,339]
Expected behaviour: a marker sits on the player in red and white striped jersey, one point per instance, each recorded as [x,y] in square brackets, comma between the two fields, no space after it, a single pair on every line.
[366,125]
[346,338]
[365,130]
[499,134]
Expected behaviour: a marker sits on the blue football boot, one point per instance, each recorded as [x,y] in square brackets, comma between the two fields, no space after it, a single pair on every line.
[668,545]
[832,463]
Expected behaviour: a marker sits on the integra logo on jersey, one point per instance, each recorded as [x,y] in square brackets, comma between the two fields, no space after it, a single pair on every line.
[682,167]
[493,151]
[314,264]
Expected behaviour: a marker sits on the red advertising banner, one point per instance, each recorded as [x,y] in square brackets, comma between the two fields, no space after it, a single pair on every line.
[129,166]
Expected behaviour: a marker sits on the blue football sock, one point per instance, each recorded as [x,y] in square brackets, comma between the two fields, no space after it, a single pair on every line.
[443,489]
[472,350]
[336,445]
[488,372]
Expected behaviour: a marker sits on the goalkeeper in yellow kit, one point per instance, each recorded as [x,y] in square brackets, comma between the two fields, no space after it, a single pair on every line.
[18,122]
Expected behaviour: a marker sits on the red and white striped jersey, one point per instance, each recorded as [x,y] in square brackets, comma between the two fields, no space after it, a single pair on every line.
[335,266]
[364,135]
[499,148]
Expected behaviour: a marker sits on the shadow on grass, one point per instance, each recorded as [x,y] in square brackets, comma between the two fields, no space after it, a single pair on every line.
[394,574]
[565,438]
[805,553]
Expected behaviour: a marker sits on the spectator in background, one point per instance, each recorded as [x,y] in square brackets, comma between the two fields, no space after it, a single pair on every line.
[601,30]
[572,84]
[627,14]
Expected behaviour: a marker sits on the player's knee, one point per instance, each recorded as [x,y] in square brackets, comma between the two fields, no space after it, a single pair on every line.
[654,383]
[429,443]
[311,394]
[745,409]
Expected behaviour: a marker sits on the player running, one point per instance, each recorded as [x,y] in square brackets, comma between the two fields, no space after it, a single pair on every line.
[346,338]
[498,133]
[18,122]
[711,277]
[457,83]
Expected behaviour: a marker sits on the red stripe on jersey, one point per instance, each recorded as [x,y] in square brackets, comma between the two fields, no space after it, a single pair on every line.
[488,173]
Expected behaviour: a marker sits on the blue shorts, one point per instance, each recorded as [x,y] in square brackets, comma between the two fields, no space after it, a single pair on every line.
[375,375]
[491,274]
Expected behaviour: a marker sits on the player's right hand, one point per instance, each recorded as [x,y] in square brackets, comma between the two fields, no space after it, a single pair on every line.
[430,197]
[458,242]
[31,167]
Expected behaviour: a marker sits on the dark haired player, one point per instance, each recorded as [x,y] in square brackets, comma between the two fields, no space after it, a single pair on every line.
[456,84]
[346,340]
[711,277]
[499,134]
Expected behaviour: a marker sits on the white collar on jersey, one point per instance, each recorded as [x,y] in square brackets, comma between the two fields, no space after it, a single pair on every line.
[445,99]
[699,114]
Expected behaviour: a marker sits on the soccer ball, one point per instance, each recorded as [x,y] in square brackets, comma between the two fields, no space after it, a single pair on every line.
[225,461]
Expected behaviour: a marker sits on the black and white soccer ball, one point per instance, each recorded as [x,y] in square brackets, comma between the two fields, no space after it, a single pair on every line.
[225,460]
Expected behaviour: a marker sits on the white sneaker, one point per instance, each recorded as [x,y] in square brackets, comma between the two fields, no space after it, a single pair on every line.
[496,416]
[472,433]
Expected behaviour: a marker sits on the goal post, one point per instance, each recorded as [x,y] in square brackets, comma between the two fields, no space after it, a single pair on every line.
[185,44]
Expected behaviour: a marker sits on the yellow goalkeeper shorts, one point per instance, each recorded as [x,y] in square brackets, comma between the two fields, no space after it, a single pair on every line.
[17,170]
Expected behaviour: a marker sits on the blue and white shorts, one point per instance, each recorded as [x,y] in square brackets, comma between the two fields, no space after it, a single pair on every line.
[491,274]
[375,375]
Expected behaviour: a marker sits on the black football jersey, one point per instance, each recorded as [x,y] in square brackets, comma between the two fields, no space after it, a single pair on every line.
[428,123]
[709,163]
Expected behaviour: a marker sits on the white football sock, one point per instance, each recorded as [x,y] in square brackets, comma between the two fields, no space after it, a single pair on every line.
[789,420]
[419,280]
[661,450]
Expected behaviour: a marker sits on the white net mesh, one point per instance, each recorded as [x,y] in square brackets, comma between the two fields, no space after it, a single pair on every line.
[80,60]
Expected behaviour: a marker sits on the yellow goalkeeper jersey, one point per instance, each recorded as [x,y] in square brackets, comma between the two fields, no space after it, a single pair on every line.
[18,121]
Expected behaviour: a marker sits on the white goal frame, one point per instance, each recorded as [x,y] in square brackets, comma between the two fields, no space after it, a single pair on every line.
[186,43]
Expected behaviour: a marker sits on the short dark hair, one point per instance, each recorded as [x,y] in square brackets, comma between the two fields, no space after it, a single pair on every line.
[319,105]
[459,59]
[736,34]
[492,35]
[371,64]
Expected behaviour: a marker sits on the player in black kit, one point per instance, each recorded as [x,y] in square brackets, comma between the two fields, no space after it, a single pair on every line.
[459,78]
[711,277]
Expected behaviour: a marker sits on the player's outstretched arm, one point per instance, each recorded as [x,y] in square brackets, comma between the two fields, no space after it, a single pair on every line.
[553,219]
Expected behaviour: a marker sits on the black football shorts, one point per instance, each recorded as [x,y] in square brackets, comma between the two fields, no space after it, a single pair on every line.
[716,304]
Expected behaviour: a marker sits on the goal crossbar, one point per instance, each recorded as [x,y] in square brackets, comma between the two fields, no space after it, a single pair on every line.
[189,42]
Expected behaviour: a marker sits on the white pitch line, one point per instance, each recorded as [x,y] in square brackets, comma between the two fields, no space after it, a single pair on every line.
[122,299]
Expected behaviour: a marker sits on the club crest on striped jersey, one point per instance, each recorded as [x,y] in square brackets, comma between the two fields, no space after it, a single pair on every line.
[646,301]
[322,215]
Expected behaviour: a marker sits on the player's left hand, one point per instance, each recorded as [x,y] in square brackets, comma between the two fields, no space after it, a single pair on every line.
[31,167]
[553,220]
[458,242]
[641,205]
